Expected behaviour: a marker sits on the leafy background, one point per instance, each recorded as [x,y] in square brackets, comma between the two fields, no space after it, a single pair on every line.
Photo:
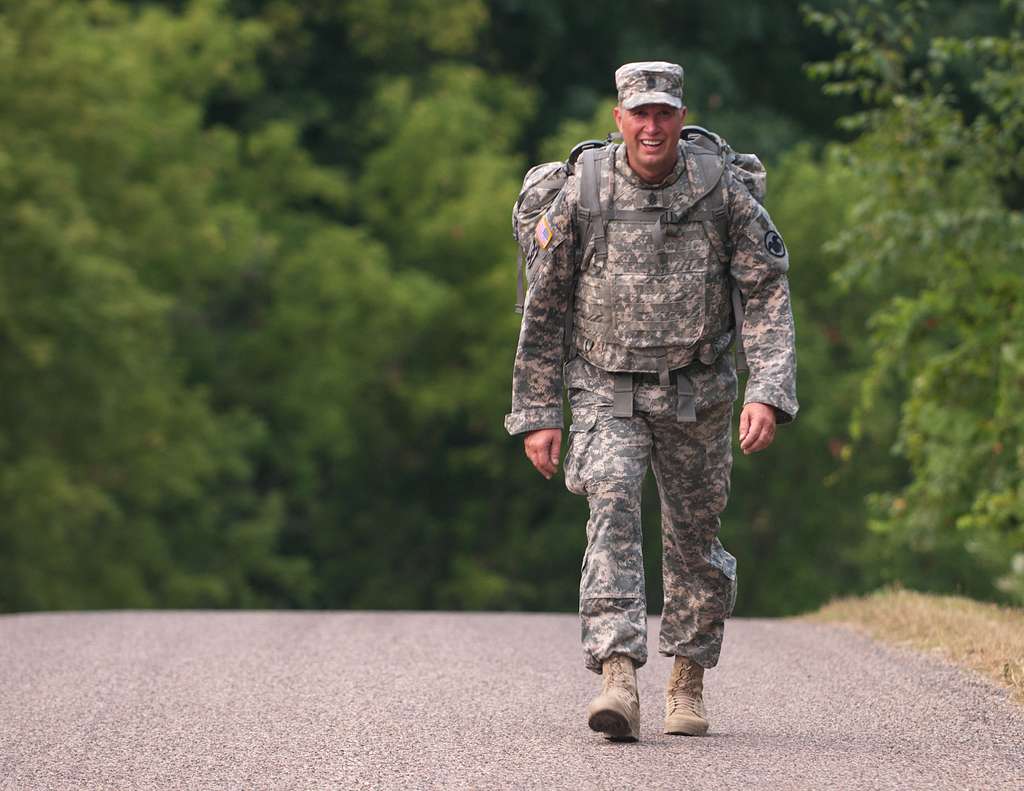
[256,278]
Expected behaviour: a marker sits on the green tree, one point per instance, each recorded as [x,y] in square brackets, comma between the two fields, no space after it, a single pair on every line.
[256,276]
[120,484]
[935,240]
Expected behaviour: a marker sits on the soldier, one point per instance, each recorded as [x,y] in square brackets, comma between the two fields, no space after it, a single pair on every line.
[647,294]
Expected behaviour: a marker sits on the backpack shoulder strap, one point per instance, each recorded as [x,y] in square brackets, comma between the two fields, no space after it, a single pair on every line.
[594,165]
[712,167]
[591,166]
[711,160]
[590,193]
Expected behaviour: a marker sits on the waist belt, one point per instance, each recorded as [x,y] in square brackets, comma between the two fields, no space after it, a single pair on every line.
[686,408]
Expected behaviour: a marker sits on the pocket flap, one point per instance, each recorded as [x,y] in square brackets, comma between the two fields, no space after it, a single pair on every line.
[583,424]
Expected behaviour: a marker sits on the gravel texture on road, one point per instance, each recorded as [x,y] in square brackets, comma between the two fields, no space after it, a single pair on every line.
[390,700]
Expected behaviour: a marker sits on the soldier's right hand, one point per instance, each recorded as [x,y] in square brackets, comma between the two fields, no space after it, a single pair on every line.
[542,448]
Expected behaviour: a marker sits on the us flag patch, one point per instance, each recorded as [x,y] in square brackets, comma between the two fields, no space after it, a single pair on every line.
[544,233]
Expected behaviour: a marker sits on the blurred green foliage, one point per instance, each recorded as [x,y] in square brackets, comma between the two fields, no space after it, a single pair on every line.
[256,278]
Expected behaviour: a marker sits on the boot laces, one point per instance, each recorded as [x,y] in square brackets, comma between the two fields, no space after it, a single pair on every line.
[685,693]
[619,675]
[680,700]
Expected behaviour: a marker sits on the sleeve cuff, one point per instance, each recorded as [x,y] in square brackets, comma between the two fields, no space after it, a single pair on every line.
[785,405]
[532,419]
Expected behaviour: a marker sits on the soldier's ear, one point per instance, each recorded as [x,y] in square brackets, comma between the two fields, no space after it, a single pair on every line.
[617,115]
[683,119]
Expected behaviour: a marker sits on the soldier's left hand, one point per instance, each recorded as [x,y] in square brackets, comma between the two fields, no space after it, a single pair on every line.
[757,427]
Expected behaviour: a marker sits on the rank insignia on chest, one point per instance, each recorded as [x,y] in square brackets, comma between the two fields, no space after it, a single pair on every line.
[544,233]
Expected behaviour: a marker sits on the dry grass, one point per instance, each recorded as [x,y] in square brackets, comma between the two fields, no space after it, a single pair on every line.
[984,637]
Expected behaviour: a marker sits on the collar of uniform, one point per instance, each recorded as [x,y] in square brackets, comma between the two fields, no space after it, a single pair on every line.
[624,170]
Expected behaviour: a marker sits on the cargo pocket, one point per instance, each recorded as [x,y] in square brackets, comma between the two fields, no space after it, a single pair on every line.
[726,565]
[582,425]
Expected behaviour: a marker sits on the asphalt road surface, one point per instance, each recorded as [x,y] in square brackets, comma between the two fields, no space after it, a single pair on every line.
[253,700]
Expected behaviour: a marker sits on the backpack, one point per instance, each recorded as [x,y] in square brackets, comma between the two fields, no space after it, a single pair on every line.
[542,184]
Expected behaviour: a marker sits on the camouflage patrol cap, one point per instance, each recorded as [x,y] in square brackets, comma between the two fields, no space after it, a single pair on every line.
[649,82]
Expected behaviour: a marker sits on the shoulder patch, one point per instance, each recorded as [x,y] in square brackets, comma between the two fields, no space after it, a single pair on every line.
[773,244]
[544,233]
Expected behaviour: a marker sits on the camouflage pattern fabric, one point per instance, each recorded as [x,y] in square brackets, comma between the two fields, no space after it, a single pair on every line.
[758,266]
[606,461]
[608,456]
[646,297]
[649,82]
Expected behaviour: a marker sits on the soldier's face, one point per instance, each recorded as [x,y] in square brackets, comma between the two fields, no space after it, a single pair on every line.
[651,134]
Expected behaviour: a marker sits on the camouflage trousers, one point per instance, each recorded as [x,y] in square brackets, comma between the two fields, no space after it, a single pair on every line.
[606,461]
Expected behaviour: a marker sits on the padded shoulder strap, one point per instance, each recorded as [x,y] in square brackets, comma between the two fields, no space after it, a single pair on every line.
[712,166]
[590,180]
[712,169]
[594,165]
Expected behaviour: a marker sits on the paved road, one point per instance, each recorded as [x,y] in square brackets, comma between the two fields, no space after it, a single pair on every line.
[233,700]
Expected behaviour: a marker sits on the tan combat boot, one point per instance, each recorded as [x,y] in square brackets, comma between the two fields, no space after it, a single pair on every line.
[684,699]
[616,711]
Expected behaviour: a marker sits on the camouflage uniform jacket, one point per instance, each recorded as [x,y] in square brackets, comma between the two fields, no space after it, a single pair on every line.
[758,266]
